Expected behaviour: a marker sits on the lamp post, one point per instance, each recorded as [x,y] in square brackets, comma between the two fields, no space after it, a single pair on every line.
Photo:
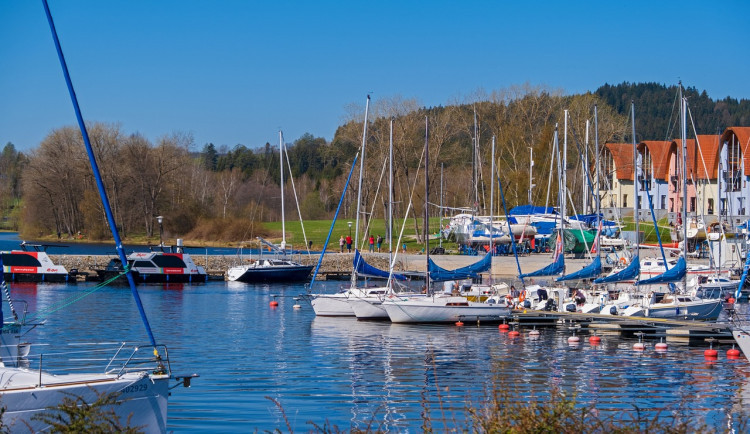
[350,229]
[161,230]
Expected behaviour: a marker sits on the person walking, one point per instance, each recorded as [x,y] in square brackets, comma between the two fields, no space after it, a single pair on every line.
[349,243]
[380,242]
[372,243]
[341,244]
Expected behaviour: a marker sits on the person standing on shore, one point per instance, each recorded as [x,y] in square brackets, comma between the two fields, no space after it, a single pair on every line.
[341,244]
[380,242]
[349,243]
[372,243]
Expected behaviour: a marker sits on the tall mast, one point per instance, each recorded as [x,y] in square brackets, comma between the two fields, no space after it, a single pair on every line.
[441,204]
[492,209]
[531,172]
[584,173]
[390,199]
[635,182]
[475,159]
[564,175]
[426,202]
[281,170]
[596,179]
[683,133]
[359,188]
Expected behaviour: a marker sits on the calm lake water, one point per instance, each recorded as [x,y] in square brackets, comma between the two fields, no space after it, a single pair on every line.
[354,374]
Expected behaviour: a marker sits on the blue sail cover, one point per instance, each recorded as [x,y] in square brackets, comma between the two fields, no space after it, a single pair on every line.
[674,274]
[556,267]
[592,270]
[439,274]
[365,269]
[630,272]
[529,209]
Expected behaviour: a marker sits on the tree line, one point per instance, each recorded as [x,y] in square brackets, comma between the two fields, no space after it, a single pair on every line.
[223,194]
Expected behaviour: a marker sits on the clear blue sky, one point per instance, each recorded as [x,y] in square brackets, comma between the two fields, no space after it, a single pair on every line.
[233,72]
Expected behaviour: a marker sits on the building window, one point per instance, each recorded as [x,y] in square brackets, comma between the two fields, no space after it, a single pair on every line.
[671,204]
[710,206]
[624,200]
[692,204]
[723,206]
[663,202]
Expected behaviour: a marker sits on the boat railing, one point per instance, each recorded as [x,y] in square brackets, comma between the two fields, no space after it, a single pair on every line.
[109,358]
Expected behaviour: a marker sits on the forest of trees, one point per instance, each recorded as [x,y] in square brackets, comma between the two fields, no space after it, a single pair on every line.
[222,194]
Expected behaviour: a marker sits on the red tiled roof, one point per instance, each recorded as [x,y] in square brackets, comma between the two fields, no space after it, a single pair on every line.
[622,154]
[659,151]
[743,138]
[709,150]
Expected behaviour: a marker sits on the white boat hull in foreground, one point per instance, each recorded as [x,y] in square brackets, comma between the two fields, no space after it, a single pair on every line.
[440,308]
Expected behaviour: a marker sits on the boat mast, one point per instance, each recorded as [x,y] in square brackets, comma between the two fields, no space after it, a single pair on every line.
[281,171]
[441,205]
[564,177]
[359,187]
[596,181]
[390,200]
[531,172]
[584,173]
[635,185]
[426,202]
[475,160]
[492,209]
[683,133]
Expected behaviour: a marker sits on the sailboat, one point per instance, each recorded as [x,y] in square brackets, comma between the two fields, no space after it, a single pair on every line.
[139,383]
[446,306]
[338,304]
[279,268]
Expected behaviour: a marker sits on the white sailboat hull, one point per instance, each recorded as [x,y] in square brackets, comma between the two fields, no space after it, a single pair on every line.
[368,308]
[142,400]
[332,304]
[442,309]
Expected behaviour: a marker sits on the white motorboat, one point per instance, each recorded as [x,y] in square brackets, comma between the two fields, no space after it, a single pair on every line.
[32,264]
[666,305]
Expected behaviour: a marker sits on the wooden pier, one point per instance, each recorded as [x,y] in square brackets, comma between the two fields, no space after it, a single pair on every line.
[678,331]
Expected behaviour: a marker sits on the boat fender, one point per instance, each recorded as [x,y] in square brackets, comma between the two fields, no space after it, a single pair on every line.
[613,310]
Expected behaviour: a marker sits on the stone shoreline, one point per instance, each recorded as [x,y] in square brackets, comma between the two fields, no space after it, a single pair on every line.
[503,267]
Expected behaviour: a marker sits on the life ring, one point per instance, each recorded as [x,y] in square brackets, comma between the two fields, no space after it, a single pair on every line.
[623,261]
[522,297]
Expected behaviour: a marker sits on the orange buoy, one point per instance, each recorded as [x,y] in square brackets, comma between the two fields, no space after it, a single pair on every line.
[503,326]
[639,346]
[513,333]
[459,324]
[731,300]
[274,303]
[733,353]
[595,340]
[711,353]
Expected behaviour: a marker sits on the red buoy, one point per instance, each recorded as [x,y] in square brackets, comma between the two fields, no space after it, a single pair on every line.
[503,326]
[459,324]
[661,346]
[731,300]
[711,353]
[595,340]
[733,353]
[639,346]
[513,333]
[274,303]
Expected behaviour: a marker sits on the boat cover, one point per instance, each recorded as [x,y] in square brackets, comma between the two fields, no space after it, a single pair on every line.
[592,270]
[630,272]
[674,274]
[439,274]
[556,267]
[530,209]
[364,269]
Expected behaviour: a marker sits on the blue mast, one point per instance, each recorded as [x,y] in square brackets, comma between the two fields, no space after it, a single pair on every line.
[97,176]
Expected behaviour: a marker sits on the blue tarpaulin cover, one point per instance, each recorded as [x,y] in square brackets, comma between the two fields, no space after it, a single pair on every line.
[556,267]
[530,209]
[363,268]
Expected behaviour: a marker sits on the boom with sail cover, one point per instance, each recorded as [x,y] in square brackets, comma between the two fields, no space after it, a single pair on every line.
[362,268]
[439,274]
[630,272]
[556,267]
[590,271]
[674,274]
